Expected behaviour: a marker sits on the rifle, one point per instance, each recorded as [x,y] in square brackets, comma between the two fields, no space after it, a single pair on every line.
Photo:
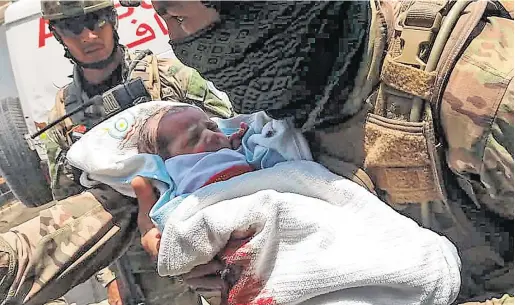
[112,102]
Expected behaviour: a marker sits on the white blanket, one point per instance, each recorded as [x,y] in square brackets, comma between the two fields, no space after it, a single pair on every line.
[320,239]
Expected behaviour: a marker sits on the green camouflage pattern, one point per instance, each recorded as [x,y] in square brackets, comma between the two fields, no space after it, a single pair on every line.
[63,246]
[479,100]
[476,122]
[476,116]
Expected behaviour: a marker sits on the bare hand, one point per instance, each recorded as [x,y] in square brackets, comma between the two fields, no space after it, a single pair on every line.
[206,277]
[236,138]
[150,236]
[151,241]
[113,294]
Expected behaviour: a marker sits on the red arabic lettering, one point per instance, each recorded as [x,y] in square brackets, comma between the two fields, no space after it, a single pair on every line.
[44,33]
[142,30]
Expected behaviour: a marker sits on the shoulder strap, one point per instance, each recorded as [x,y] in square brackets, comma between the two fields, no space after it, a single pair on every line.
[58,134]
[429,36]
[61,105]
[456,43]
[144,64]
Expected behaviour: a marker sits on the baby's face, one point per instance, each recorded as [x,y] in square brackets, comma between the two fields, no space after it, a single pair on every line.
[191,131]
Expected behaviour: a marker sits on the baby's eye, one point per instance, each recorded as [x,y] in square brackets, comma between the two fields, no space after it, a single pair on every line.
[193,140]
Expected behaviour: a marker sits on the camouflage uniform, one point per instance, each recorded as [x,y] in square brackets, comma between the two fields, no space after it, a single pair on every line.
[475,132]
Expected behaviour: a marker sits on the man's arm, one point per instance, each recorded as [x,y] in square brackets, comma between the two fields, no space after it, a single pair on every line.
[495,186]
[64,245]
[67,243]
[476,117]
[184,83]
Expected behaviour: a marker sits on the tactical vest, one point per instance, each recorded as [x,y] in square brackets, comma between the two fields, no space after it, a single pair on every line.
[395,145]
[65,179]
[403,154]
[141,64]
[408,147]
[65,182]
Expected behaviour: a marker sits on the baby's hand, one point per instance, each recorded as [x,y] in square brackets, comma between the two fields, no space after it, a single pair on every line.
[236,138]
[151,242]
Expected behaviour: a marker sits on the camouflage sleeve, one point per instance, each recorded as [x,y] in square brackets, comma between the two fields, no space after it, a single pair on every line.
[184,83]
[53,138]
[477,117]
[64,245]
[105,276]
[496,190]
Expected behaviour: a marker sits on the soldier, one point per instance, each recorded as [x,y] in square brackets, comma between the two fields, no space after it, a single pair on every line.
[391,94]
[88,32]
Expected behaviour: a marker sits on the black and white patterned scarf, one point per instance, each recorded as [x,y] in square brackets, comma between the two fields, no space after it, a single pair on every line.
[282,57]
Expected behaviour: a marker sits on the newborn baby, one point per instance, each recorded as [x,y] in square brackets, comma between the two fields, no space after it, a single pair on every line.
[196,153]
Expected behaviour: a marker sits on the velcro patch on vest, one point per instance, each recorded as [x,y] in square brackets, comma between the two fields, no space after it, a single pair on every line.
[408,79]
[400,160]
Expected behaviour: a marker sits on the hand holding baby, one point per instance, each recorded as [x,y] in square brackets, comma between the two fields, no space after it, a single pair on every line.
[202,278]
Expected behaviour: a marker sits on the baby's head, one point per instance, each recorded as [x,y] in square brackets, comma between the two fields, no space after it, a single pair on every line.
[180,130]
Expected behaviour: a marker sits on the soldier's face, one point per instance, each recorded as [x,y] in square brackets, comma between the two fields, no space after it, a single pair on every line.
[184,18]
[88,43]
[190,131]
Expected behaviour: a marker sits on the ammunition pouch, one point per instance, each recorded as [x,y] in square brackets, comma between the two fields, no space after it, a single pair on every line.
[402,150]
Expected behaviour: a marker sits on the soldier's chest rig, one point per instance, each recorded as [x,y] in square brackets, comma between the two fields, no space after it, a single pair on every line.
[403,146]
[79,113]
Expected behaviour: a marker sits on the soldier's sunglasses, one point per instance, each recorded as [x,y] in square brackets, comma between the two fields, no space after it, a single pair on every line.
[75,25]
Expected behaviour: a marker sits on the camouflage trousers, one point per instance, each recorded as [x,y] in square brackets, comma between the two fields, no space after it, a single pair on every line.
[67,243]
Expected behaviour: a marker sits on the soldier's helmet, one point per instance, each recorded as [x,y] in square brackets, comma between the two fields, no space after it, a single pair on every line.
[56,10]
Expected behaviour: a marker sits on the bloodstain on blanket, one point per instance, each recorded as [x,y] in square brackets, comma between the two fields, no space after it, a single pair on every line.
[247,286]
